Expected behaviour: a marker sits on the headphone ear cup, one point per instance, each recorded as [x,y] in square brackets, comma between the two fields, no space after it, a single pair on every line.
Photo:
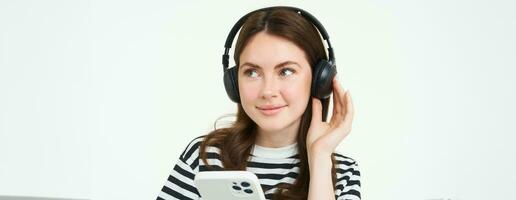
[322,79]
[231,84]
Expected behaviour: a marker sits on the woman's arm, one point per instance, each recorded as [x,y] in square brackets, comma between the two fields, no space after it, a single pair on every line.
[321,186]
[323,138]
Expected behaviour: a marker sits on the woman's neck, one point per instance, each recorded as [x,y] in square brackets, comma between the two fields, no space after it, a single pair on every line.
[276,139]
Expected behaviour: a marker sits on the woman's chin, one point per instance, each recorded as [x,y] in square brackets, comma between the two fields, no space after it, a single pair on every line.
[271,127]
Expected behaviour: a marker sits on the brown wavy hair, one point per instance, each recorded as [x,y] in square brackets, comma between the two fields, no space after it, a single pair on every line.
[236,141]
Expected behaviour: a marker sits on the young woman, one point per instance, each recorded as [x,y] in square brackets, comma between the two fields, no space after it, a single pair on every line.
[280,132]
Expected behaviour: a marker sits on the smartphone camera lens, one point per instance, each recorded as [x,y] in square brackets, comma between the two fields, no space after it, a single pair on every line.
[245,184]
[237,188]
[248,191]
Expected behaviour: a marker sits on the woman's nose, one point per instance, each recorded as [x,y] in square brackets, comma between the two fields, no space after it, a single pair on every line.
[270,88]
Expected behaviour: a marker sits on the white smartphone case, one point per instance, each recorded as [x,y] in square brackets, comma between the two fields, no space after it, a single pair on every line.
[228,185]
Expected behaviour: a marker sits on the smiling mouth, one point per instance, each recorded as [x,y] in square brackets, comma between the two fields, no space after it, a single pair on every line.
[271,111]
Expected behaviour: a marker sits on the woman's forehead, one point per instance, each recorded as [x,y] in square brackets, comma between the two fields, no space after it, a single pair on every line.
[266,50]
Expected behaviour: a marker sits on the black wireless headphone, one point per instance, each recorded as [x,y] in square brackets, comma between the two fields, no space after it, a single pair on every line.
[323,72]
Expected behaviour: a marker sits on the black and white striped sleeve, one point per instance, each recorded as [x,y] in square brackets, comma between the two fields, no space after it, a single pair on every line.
[180,182]
[348,179]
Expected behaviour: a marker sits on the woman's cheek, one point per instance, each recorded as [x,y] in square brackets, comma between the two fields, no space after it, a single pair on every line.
[248,92]
[297,90]
[290,93]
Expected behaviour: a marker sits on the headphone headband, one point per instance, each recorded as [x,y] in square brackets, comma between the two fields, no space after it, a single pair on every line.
[305,14]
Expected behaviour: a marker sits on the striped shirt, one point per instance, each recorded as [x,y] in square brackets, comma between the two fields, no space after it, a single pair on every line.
[271,165]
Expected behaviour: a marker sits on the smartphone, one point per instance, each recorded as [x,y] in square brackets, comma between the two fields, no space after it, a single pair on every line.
[228,185]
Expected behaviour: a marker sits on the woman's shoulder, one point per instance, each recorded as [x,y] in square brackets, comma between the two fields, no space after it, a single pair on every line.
[348,177]
[342,159]
[346,164]
[192,155]
[195,142]
[192,146]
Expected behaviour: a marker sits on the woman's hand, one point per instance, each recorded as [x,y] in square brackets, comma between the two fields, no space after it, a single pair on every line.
[323,137]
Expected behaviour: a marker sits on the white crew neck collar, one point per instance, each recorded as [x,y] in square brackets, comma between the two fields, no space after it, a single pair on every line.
[280,152]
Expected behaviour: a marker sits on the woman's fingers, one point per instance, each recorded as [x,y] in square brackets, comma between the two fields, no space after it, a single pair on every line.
[336,108]
[316,110]
[350,109]
[338,103]
[348,116]
[343,127]
[343,106]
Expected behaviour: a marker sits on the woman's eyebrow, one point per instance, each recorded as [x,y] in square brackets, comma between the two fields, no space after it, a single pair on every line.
[275,67]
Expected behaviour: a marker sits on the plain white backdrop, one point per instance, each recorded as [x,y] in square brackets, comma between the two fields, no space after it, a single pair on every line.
[99,98]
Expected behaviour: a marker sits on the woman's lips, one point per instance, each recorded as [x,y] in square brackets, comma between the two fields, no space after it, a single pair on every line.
[270,111]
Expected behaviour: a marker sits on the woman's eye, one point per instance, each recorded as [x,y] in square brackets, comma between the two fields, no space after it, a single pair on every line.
[251,73]
[287,71]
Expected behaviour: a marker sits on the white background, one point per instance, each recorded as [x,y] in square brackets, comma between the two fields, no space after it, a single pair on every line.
[99,98]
